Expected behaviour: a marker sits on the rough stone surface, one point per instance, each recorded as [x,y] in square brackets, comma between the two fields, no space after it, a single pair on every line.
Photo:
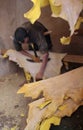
[13,107]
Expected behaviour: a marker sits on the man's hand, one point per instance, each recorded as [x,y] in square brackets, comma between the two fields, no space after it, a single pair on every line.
[39,76]
[36,59]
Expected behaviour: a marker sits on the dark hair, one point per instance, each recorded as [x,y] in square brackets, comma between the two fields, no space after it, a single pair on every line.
[19,36]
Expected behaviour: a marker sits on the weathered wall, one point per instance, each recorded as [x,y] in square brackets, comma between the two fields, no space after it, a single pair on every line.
[11,16]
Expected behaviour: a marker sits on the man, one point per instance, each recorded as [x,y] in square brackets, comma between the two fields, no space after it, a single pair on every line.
[33,37]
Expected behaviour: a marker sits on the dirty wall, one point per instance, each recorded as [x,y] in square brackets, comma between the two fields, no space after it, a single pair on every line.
[11,16]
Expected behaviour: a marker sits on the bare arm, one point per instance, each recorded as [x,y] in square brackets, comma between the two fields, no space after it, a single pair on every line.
[26,53]
[39,75]
[36,59]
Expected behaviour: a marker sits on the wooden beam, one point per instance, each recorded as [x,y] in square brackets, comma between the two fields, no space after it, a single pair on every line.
[73,58]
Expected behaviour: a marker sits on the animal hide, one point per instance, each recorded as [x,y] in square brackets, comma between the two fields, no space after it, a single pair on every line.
[68,10]
[32,67]
[64,94]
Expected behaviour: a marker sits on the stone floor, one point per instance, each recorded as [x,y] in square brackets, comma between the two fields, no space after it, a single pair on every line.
[13,106]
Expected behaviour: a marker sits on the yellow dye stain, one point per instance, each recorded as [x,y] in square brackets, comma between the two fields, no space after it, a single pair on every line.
[65,40]
[23,89]
[66,97]
[56,9]
[28,76]
[46,123]
[14,128]
[79,21]
[44,3]
[22,115]
[61,108]
[44,104]
[34,13]
[5,55]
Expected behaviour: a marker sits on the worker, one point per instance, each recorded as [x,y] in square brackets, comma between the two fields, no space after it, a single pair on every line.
[33,37]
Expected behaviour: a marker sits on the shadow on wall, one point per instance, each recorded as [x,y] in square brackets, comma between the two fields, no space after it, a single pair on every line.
[6,66]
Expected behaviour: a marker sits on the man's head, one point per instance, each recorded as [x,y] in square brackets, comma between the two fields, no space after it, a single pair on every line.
[21,37]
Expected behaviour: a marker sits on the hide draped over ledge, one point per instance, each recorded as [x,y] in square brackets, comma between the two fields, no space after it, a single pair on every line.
[33,67]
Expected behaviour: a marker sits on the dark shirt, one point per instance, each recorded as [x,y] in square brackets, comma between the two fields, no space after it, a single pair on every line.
[36,36]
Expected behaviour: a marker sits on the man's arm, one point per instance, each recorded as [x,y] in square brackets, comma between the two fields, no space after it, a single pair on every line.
[40,74]
[36,59]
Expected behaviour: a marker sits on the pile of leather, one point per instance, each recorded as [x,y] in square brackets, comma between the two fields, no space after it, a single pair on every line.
[61,96]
